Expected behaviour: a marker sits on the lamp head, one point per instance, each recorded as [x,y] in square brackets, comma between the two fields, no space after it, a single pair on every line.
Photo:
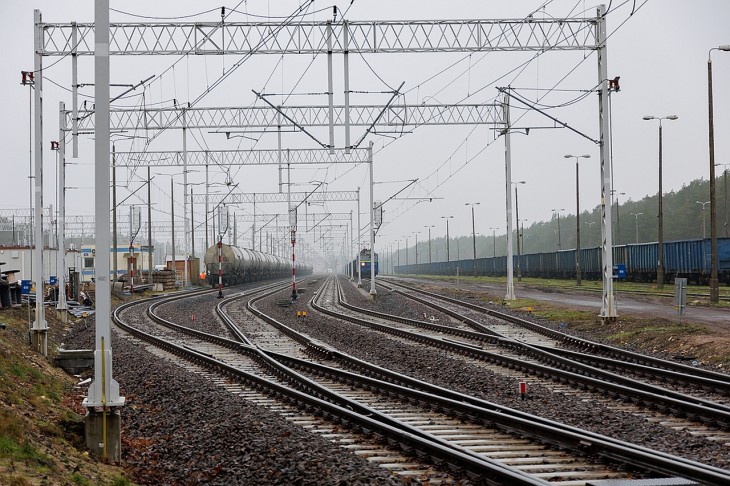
[586,156]
[672,117]
[648,117]
[567,156]
[724,48]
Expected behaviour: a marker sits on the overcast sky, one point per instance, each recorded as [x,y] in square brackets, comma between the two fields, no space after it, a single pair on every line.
[660,53]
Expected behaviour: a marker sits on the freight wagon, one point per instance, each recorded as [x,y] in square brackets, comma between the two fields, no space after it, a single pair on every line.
[688,259]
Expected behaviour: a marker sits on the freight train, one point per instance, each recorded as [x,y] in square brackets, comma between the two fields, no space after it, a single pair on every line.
[241,265]
[688,259]
[365,262]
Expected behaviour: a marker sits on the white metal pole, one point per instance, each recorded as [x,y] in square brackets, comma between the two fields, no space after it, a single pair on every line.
[186,229]
[508,185]
[104,390]
[40,326]
[352,246]
[330,89]
[207,201]
[359,245]
[346,55]
[373,292]
[608,309]
[61,261]
[74,91]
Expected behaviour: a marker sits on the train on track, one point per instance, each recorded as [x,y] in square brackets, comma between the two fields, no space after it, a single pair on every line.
[688,259]
[241,265]
[365,262]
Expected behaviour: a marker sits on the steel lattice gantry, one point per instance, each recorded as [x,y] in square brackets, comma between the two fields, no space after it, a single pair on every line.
[278,197]
[153,158]
[385,36]
[86,223]
[262,117]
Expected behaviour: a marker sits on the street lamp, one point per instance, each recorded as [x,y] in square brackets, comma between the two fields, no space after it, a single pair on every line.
[406,238]
[577,213]
[714,283]
[636,215]
[415,233]
[704,227]
[494,241]
[517,217]
[660,214]
[448,254]
[474,238]
[429,242]
[557,211]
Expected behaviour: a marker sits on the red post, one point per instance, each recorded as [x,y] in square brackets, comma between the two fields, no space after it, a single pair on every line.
[523,390]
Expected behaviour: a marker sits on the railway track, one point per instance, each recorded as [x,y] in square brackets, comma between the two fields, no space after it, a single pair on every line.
[522,360]
[596,354]
[246,370]
[451,426]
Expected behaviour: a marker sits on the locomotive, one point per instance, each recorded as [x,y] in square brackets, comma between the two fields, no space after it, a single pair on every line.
[365,262]
[688,259]
[241,265]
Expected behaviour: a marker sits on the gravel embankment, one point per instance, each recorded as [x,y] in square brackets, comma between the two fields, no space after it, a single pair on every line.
[178,428]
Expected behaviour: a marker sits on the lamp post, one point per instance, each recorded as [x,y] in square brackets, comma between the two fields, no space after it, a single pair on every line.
[429,242]
[590,232]
[577,213]
[415,233]
[448,255]
[660,214]
[406,237]
[521,235]
[474,239]
[517,220]
[704,226]
[557,212]
[724,183]
[494,248]
[636,215]
[494,241]
[714,283]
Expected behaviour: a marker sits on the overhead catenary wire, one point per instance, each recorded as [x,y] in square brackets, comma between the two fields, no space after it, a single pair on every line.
[469,160]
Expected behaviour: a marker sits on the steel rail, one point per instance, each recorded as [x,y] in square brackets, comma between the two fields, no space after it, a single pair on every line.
[571,371]
[409,439]
[629,357]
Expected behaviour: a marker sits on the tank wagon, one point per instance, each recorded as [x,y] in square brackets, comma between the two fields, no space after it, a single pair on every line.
[688,259]
[241,265]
